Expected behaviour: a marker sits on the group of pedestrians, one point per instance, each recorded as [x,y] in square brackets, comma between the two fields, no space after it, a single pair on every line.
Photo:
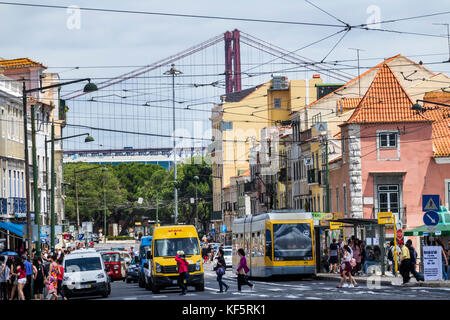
[26,279]
[241,271]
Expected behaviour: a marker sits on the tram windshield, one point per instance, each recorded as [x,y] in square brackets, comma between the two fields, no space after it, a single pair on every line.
[292,241]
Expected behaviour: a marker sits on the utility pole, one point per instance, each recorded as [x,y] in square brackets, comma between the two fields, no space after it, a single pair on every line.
[104,205]
[174,72]
[52,193]
[359,80]
[35,182]
[27,169]
[448,36]
[196,201]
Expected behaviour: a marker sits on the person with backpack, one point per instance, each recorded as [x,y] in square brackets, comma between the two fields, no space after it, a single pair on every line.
[38,277]
[220,271]
[182,271]
[413,261]
[333,253]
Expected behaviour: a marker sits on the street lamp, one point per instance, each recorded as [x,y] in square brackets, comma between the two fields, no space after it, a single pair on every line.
[104,206]
[174,72]
[52,177]
[88,88]
[418,107]
[196,201]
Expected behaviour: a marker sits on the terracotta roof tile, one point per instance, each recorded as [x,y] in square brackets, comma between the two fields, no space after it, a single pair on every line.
[19,63]
[441,123]
[354,79]
[385,101]
[349,103]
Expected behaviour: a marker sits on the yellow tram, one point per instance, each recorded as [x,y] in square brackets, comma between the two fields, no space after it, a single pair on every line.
[276,243]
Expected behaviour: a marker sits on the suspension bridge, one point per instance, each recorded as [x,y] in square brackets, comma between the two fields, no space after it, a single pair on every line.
[131,114]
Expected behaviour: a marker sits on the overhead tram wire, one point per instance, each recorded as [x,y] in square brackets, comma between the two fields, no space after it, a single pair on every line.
[171,14]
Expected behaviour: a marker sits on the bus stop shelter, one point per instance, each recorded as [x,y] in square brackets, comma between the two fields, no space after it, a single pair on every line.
[368,227]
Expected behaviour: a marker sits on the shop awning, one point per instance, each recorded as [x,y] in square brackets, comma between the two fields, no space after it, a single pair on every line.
[15,228]
[356,221]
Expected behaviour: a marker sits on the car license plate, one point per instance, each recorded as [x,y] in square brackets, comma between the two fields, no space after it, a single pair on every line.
[86,286]
[174,281]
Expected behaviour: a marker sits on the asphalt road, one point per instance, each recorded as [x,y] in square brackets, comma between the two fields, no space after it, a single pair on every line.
[306,289]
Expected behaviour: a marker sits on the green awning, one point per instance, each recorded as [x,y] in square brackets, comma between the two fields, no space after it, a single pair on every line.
[441,229]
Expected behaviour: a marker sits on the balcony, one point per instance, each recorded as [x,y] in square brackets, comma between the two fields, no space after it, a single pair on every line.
[400,214]
[249,187]
[313,176]
[305,135]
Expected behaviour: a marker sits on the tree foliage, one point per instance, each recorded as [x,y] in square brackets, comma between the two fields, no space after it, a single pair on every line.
[121,186]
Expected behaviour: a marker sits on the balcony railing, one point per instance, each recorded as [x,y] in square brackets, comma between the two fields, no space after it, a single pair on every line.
[400,213]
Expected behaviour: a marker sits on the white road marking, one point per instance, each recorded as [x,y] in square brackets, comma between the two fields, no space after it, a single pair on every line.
[291,296]
[313,298]
[131,298]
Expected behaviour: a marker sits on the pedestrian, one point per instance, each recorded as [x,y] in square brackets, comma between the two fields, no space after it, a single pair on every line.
[38,277]
[405,265]
[356,247]
[448,258]
[211,253]
[4,277]
[60,277]
[333,253]
[21,273]
[363,257]
[390,257]
[242,271]
[12,285]
[220,270]
[182,271]
[346,268]
[444,259]
[413,261]
[29,275]
[52,281]
[204,254]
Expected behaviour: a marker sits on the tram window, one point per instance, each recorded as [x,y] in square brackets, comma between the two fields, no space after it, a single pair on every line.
[269,244]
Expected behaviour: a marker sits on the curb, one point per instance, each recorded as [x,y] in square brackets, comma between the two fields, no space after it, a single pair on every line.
[385,282]
[389,282]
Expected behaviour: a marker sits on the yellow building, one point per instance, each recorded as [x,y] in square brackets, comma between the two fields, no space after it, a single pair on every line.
[238,120]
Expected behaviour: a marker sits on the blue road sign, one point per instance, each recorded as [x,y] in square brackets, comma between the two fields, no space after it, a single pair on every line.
[81,236]
[430,202]
[431,218]
[213,231]
[224,228]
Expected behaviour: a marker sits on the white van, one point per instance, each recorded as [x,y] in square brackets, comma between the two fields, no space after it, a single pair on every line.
[85,274]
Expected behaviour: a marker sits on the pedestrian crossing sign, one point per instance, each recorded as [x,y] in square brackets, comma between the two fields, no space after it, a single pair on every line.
[321,126]
[430,202]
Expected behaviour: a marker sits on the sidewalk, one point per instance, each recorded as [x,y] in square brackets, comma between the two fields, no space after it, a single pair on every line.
[387,280]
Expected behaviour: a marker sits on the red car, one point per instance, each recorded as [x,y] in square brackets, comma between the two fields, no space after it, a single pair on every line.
[118,262]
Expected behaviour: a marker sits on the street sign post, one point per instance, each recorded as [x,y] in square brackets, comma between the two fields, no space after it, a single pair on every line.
[385,218]
[431,218]
[430,202]
[336,225]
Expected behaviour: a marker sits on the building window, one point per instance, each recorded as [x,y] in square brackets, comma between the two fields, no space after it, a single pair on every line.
[227,125]
[345,200]
[277,103]
[331,200]
[387,140]
[337,199]
[388,198]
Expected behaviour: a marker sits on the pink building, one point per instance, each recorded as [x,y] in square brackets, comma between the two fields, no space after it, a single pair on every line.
[392,155]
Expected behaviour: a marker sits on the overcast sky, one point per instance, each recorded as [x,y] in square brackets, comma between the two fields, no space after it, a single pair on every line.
[117,39]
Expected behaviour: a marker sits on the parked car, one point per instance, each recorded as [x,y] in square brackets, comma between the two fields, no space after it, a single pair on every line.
[133,271]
